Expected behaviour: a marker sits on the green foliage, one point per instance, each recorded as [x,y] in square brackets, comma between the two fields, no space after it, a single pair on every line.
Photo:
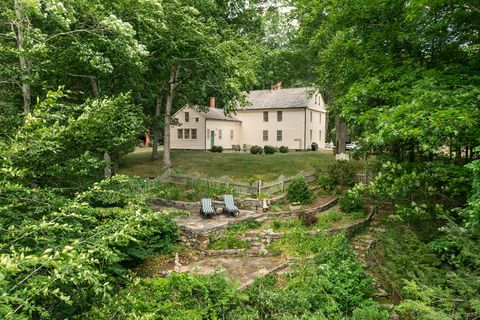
[218,149]
[473,220]
[370,312]
[351,202]
[230,238]
[283,149]
[331,285]
[298,191]
[228,242]
[438,279]
[60,145]
[343,172]
[58,244]
[326,183]
[269,149]
[256,150]
[180,296]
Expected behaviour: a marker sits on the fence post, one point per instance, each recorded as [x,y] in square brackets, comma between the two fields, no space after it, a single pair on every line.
[259,186]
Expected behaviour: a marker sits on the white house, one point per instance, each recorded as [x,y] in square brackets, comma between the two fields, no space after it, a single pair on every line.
[293,117]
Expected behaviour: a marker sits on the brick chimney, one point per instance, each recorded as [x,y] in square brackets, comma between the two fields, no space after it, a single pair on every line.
[212,102]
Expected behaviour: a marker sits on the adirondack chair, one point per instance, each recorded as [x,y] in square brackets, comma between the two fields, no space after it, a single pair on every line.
[230,206]
[206,208]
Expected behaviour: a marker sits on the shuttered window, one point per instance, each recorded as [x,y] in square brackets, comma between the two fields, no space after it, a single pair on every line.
[194,134]
[180,134]
[219,134]
[279,115]
[265,135]
[265,116]
[187,117]
[186,133]
[279,135]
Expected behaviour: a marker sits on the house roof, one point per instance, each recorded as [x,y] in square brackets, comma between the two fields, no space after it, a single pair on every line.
[217,114]
[278,99]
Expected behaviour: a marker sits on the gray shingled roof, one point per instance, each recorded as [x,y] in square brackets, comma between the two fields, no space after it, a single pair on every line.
[217,114]
[279,99]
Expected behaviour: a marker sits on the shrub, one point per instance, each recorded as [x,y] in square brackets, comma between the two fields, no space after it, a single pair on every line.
[283,149]
[298,191]
[218,149]
[351,202]
[269,149]
[326,182]
[342,172]
[256,150]
[370,312]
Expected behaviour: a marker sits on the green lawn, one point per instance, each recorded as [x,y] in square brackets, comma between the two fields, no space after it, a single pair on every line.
[239,166]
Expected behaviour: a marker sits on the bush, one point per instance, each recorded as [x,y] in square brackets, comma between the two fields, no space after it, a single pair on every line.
[218,149]
[269,149]
[351,202]
[371,312]
[283,149]
[256,150]
[343,173]
[326,182]
[298,191]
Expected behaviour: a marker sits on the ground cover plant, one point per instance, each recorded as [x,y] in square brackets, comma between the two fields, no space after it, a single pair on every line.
[230,238]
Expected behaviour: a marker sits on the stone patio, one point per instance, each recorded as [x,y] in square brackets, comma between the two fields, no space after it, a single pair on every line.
[243,269]
[196,223]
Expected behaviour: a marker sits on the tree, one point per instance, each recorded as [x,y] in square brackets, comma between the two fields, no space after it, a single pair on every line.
[191,49]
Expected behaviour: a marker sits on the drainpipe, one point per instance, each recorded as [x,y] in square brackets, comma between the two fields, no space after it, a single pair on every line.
[205,135]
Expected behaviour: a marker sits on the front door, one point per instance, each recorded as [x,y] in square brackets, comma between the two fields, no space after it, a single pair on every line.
[212,138]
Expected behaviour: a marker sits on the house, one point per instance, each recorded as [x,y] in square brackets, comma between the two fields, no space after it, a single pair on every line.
[293,117]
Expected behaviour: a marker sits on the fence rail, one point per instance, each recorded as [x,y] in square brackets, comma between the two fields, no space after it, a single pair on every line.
[256,187]
[245,188]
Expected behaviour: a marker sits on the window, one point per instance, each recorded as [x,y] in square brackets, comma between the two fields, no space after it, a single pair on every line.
[311,116]
[265,135]
[320,117]
[279,135]
[180,134]
[187,117]
[311,134]
[265,116]
[219,134]
[231,134]
[194,134]
[196,119]
[279,115]
[315,99]
[186,133]
[319,135]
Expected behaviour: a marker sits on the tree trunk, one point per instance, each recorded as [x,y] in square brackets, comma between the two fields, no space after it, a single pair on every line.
[25,62]
[167,164]
[340,135]
[156,126]
[107,171]
[95,90]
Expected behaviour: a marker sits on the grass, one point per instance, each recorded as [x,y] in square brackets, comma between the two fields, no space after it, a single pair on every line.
[239,166]
[229,239]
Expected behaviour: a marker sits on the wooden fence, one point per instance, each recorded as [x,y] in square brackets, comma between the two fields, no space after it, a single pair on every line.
[245,188]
